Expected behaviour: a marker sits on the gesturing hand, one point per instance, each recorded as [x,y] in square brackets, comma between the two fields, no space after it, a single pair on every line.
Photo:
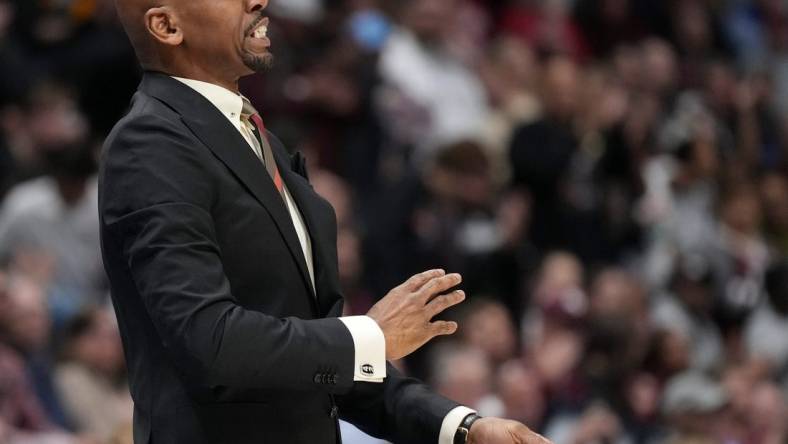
[503,431]
[404,314]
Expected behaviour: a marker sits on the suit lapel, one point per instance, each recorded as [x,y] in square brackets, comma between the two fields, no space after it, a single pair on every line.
[227,144]
[301,194]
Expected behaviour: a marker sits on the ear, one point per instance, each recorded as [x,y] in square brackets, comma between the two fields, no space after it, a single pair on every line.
[162,23]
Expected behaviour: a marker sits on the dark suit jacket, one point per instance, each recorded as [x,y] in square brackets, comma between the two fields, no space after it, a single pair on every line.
[225,339]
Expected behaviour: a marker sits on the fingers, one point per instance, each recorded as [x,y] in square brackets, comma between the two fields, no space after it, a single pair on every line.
[439,285]
[443,328]
[417,281]
[441,303]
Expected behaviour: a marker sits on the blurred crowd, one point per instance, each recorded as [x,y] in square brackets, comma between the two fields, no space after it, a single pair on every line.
[609,176]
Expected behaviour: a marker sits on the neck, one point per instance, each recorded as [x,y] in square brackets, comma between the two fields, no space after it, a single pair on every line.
[231,85]
[196,72]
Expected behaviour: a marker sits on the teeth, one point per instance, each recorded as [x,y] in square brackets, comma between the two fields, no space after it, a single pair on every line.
[260,32]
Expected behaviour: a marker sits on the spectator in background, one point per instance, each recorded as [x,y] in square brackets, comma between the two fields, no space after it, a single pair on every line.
[558,289]
[746,124]
[739,256]
[509,73]
[20,407]
[617,333]
[22,420]
[449,217]
[465,373]
[774,193]
[463,219]
[738,381]
[766,333]
[687,312]
[541,152]
[458,207]
[90,379]
[27,329]
[668,354]
[603,399]
[766,419]
[521,393]
[678,205]
[24,414]
[47,116]
[756,411]
[53,219]
[694,407]
[489,328]
[640,412]
[658,69]
[427,97]
[552,325]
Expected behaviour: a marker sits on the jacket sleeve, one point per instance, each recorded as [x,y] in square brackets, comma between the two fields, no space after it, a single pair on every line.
[155,204]
[400,410]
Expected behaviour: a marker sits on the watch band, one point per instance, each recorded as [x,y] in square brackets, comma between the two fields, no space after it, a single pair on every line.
[461,436]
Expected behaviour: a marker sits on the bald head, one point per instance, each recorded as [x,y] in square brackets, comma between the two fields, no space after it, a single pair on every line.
[132,16]
[216,41]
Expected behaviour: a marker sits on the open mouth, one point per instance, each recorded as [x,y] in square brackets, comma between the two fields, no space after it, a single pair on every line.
[259,28]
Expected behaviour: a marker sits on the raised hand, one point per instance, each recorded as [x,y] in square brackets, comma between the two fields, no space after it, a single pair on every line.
[405,313]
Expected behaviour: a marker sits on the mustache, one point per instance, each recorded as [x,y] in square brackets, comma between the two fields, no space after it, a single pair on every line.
[254,23]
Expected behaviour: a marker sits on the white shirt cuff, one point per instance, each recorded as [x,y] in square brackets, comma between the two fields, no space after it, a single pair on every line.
[451,422]
[370,348]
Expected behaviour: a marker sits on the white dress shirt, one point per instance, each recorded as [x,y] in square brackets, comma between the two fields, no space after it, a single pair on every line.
[368,340]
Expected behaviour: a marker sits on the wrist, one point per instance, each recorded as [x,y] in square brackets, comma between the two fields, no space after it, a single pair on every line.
[462,436]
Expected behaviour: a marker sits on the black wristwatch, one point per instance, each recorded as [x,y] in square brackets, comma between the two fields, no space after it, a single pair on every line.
[461,436]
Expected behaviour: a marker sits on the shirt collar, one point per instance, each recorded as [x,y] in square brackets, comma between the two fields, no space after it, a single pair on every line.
[227,102]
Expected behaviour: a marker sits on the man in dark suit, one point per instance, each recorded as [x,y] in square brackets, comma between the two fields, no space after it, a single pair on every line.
[223,268]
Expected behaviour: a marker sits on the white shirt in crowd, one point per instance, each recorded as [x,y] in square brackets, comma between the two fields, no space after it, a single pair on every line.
[440,85]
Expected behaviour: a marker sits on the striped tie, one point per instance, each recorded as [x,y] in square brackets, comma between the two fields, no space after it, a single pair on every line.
[256,122]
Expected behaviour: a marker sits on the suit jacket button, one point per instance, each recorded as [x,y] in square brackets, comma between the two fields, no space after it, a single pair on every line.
[334,412]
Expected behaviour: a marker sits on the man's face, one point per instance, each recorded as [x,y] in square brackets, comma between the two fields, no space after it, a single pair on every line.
[231,35]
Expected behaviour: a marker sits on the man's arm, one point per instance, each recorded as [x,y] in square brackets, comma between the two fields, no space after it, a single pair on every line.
[155,203]
[400,409]
[404,410]
[156,200]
